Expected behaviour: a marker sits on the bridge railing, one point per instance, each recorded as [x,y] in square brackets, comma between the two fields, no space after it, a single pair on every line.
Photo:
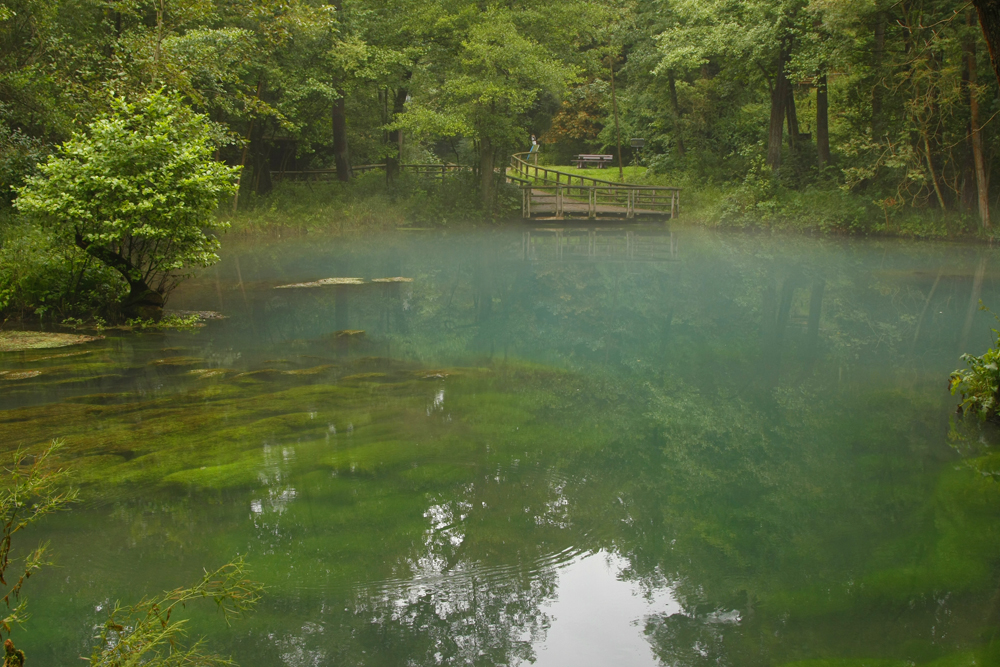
[552,187]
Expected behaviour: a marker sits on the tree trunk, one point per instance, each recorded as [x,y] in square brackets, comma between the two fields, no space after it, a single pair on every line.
[675,107]
[934,178]
[618,130]
[793,119]
[822,123]
[486,172]
[779,96]
[976,138]
[246,148]
[989,18]
[159,34]
[340,154]
[261,160]
[967,191]
[877,54]
[395,139]
[262,173]
[142,300]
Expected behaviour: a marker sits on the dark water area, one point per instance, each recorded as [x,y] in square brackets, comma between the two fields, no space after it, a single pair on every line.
[577,447]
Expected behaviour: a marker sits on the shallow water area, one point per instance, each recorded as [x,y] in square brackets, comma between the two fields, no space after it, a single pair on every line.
[575,445]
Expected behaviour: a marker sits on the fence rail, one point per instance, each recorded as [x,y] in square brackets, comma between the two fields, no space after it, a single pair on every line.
[556,192]
[425,170]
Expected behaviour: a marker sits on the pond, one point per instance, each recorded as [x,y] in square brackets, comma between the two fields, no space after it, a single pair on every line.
[574,447]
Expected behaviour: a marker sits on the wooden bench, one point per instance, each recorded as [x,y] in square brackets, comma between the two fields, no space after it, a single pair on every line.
[600,160]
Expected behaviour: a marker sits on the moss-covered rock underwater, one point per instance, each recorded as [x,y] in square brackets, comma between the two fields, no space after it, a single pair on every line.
[836,519]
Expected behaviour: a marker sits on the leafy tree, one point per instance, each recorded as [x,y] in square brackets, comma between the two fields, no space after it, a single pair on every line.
[752,38]
[137,191]
[497,77]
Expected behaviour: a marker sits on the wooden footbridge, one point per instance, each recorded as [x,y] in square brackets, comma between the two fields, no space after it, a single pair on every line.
[553,194]
[545,193]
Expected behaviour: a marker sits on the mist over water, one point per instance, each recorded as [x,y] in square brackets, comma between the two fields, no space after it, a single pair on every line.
[584,446]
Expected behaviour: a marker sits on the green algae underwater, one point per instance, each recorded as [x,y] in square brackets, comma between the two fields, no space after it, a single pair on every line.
[754,433]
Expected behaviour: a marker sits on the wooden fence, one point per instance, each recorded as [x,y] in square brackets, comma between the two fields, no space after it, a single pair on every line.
[424,170]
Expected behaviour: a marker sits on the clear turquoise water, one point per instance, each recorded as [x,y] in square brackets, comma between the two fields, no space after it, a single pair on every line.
[629,448]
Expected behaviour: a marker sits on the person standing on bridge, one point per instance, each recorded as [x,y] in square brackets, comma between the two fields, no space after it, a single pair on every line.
[534,149]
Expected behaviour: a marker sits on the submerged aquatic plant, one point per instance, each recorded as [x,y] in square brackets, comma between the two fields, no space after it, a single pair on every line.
[979,384]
